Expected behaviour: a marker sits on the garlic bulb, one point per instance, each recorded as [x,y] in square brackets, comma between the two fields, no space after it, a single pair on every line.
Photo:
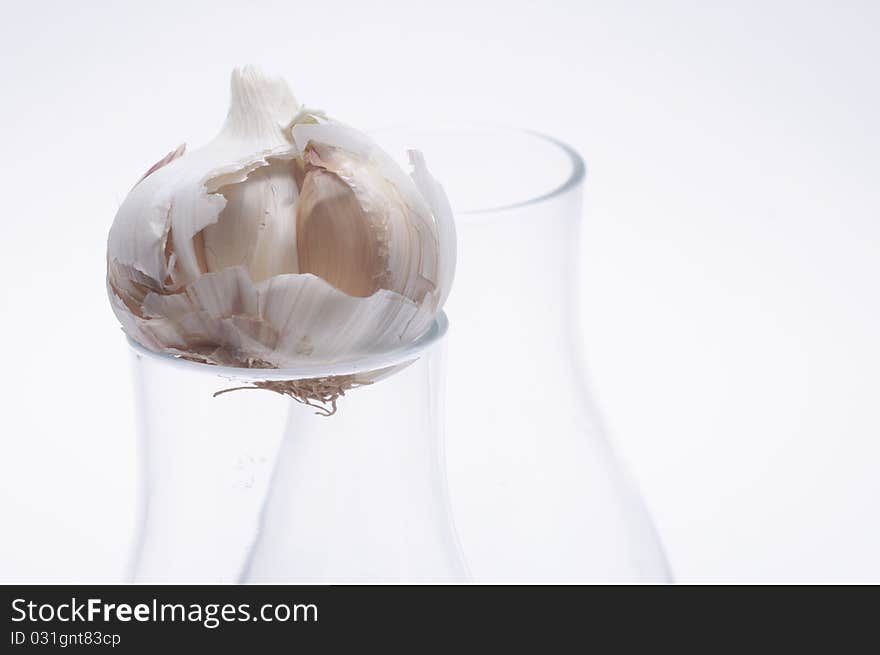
[289,238]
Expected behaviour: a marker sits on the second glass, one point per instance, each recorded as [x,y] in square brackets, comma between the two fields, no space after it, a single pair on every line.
[538,493]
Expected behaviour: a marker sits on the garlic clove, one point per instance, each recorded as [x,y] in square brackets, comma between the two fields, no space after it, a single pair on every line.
[402,227]
[257,226]
[338,239]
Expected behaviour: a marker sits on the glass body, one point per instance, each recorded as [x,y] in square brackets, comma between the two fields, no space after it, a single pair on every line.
[253,486]
[538,492]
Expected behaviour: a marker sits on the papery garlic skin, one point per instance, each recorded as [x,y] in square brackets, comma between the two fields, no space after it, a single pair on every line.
[288,239]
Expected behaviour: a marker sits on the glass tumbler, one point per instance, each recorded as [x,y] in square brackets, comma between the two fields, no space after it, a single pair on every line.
[252,486]
[538,492]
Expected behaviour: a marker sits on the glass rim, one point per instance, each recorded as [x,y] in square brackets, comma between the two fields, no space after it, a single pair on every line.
[362,364]
[576,175]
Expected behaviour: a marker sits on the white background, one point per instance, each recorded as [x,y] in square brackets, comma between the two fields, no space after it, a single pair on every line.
[731,249]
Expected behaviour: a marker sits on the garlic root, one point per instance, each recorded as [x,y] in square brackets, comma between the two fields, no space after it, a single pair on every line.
[320,393]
